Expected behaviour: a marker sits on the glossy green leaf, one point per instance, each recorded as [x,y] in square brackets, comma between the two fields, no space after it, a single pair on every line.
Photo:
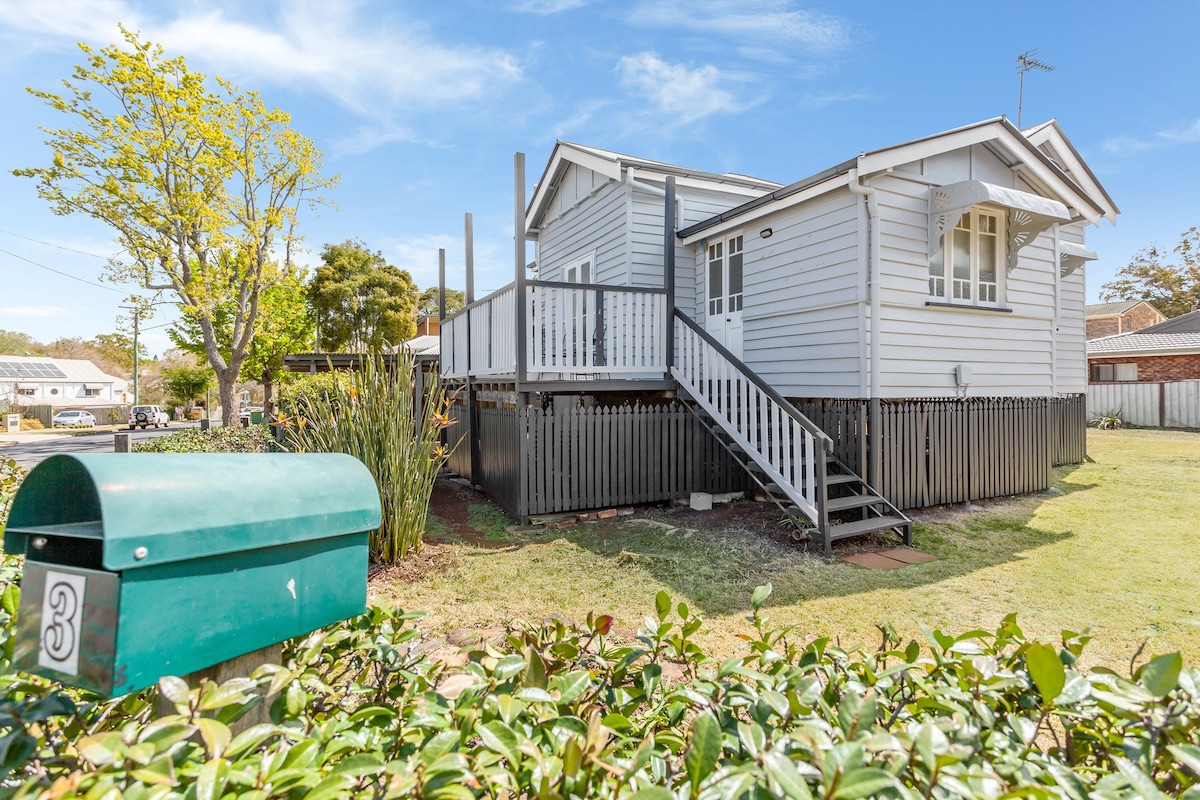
[785,775]
[759,596]
[1047,671]
[662,605]
[1161,674]
[704,749]
[863,782]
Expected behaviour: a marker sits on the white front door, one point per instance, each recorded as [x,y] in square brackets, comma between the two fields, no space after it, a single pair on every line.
[724,292]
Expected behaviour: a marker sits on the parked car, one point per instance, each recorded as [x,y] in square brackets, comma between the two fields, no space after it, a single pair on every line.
[145,416]
[73,419]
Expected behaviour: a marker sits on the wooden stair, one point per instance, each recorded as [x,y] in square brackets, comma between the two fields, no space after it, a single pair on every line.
[785,454]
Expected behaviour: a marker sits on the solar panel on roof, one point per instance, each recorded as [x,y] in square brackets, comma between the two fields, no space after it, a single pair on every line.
[36,369]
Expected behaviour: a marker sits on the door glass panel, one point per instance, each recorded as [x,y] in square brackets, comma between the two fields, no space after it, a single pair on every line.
[735,274]
[715,287]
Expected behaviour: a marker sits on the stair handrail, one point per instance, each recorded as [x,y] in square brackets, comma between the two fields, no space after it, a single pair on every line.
[762,385]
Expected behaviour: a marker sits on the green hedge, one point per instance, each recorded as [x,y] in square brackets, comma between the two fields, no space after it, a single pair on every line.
[557,711]
[255,439]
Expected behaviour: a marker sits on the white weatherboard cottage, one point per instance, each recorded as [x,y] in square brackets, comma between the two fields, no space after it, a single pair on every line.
[943,269]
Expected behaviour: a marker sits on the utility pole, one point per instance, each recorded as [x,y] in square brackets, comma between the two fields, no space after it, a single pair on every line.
[1026,62]
[136,313]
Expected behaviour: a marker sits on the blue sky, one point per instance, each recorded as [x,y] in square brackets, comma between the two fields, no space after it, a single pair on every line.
[419,107]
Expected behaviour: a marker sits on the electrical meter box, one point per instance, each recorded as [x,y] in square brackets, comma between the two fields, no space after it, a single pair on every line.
[140,566]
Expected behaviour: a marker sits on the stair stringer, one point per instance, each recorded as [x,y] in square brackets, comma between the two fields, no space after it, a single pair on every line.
[783,484]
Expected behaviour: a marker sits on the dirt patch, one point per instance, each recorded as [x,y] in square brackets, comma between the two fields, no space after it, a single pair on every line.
[434,557]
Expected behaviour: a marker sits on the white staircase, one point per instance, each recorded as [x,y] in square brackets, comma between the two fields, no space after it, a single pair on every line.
[779,446]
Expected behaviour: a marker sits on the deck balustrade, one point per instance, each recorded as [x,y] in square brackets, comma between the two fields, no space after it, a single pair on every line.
[577,331]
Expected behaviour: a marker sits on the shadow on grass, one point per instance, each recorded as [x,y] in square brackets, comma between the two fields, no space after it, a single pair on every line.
[715,559]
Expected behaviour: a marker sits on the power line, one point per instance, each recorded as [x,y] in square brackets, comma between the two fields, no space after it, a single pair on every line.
[52,244]
[60,272]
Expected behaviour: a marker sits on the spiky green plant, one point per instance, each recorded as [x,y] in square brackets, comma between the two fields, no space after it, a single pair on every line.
[371,415]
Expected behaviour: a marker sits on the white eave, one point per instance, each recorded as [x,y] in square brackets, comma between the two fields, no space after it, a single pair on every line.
[612,165]
[1053,185]
[1034,165]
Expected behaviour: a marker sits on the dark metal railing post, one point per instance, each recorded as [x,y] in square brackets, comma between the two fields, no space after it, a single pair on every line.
[472,411]
[522,335]
[441,317]
[669,273]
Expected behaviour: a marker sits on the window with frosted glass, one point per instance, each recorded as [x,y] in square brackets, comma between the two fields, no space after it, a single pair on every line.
[967,268]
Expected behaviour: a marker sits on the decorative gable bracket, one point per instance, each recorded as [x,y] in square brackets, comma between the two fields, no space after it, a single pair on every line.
[1072,256]
[1028,214]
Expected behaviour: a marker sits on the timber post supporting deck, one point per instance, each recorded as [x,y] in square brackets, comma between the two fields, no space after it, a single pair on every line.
[522,331]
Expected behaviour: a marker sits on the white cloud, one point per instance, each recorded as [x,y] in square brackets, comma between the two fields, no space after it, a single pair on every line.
[35,311]
[419,255]
[768,28]
[581,117]
[683,93]
[547,6]
[815,102]
[376,68]
[1185,133]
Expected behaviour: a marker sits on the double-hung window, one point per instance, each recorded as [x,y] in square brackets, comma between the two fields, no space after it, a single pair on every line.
[967,268]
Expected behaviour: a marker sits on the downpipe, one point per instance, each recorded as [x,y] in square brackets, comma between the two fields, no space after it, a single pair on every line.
[857,186]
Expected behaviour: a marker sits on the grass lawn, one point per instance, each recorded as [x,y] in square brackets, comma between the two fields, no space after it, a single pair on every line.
[1118,554]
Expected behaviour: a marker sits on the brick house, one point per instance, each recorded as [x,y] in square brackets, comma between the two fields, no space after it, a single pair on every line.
[1127,316]
[1168,351]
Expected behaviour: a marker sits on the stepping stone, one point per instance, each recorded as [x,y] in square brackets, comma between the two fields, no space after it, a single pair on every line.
[873,561]
[908,556]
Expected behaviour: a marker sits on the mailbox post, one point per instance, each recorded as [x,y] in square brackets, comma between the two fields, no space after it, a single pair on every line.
[166,564]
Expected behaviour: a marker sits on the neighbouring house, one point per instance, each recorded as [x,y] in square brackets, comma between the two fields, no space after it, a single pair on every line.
[902,329]
[60,383]
[1126,316]
[1168,351]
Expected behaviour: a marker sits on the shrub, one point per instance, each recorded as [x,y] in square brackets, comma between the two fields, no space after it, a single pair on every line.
[370,415]
[255,439]
[11,476]
[557,711]
[1109,420]
[31,424]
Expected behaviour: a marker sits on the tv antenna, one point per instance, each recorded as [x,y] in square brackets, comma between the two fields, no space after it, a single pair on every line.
[1026,62]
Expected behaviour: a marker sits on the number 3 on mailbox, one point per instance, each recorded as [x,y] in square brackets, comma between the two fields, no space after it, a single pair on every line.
[62,613]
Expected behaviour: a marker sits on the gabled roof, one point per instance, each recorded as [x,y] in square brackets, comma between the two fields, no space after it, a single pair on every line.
[1112,309]
[612,164]
[1050,139]
[1141,343]
[1184,323]
[999,135]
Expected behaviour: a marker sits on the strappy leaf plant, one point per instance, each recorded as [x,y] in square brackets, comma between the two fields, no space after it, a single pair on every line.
[373,415]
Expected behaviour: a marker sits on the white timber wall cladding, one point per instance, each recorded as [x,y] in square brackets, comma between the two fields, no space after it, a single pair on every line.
[1071,340]
[1174,404]
[1010,353]
[586,214]
[800,326]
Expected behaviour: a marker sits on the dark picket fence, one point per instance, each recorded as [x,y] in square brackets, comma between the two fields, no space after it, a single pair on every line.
[593,457]
[952,450]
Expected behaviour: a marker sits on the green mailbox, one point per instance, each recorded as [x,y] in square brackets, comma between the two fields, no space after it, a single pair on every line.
[140,566]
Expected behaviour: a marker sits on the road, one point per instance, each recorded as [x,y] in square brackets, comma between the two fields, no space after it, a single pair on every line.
[32,451]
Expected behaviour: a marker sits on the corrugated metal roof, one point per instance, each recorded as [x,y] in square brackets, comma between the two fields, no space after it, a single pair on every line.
[673,169]
[1138,342]
[1103,309]
[424,345]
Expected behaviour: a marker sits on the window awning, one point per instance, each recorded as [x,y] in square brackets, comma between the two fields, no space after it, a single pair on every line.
[29,386]
[1028,214]
[1072,256]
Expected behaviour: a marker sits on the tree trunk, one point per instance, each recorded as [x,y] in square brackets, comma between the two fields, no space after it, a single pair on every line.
[227,385]
[268,382]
